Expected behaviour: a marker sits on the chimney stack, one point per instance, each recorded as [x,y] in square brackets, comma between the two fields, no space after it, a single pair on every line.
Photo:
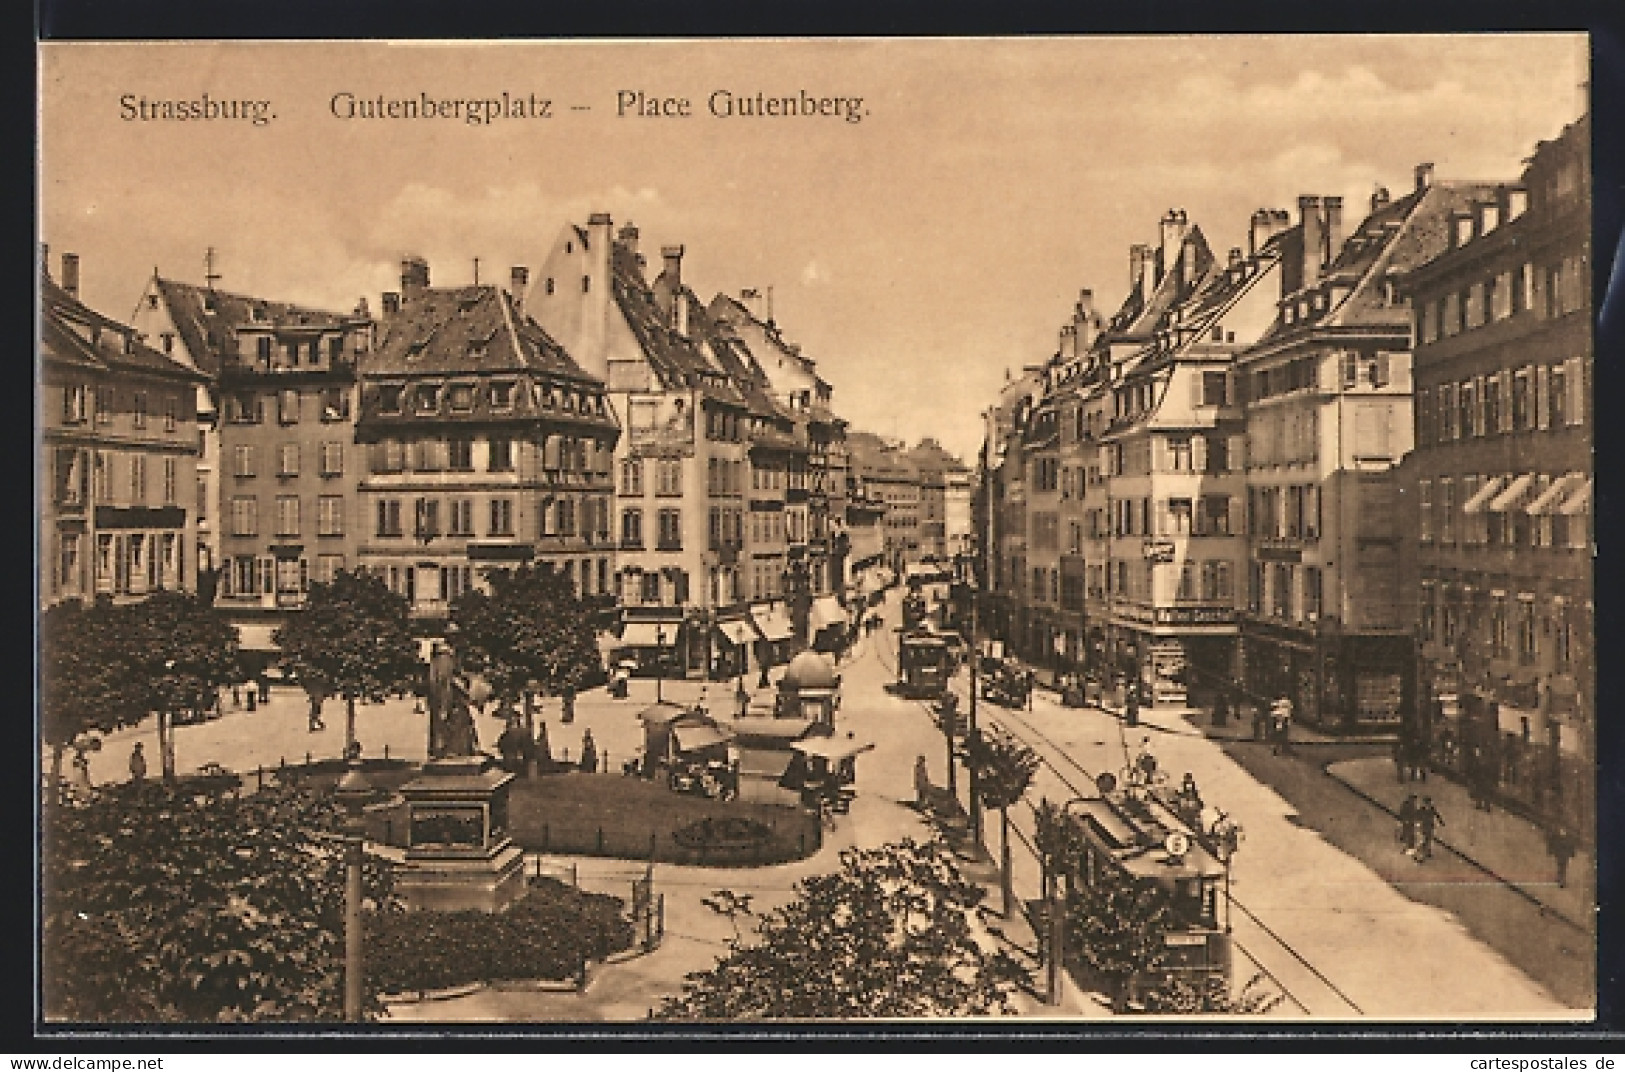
[1313,239]
[629,238]
[70,274]
[1173,228]
[1144,261]
[518,280]
[414,279]
[392,303]
[1424,176]
[1234,258]
[1266,224]
[1069,342]
[1380,198]
[1332,236]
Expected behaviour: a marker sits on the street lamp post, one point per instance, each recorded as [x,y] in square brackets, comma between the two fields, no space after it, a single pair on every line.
[353,792]
[970,769]
[660,663]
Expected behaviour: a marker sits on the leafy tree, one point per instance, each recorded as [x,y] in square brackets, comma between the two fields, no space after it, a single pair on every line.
[531,627]
[1118,928]
[86,684]
[1004,770]
[1177,995]
[170,904]
[351,639]
[888,935]
[181,651]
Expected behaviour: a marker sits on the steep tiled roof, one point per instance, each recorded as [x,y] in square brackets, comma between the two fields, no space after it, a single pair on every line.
[465,330]
[207,318]
[676,361]
[73,332]
[1399,235]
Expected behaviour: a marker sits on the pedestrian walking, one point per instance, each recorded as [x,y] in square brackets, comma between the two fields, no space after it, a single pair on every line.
[1131,703]
[1221,707]
[511,744]
[1416,757]
[138,764]
[1281,726]
[1427,820]
[568,697]
[589,753]
[1560,843]
[1407,825]
[265,689]
[236,697]
[922,781]
[1400,758]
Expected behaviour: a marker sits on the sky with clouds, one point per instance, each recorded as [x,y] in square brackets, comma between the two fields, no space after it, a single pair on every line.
[916,254]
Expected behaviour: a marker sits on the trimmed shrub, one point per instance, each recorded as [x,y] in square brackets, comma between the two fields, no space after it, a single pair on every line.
[547,934]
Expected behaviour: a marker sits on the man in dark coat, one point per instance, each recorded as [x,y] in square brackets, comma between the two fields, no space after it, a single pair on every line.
[1427,820]
[1407,825]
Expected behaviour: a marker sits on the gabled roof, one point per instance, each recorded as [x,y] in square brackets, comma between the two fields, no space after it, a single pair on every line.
[1397,236]
[207,318]
[72,332]
[676,361]
[469,329]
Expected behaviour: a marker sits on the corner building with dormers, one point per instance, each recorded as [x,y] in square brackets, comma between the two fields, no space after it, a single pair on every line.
[484,444]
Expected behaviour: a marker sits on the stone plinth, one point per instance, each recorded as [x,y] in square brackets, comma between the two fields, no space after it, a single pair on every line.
[459,855]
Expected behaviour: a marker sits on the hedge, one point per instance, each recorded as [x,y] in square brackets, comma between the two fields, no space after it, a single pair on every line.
[547,934]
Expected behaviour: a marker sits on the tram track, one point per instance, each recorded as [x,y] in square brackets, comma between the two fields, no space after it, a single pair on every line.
[1277,959]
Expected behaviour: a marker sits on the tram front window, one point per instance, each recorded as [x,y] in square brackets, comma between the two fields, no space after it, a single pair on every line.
[1194,904]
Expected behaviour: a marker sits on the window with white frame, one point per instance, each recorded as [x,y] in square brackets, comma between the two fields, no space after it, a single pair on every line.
[330,515]
[287,515]
[244,515]
[287,459]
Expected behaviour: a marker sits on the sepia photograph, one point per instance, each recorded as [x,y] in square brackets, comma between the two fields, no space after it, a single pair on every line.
[1058,529]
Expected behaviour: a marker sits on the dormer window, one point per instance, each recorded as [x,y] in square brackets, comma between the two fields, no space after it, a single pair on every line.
[502,395]
[548,399]
[389,398]
[549,285]
[426,399]
[460,397]
[152,300]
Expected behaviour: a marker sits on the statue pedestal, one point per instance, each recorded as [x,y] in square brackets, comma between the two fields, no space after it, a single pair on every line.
[459,856]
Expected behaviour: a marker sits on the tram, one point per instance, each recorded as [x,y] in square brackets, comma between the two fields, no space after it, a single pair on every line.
[924,662]
[1138,832]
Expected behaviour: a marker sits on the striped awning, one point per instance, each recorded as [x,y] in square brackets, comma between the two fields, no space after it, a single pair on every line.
[1481,498]
[1579,502]
[1547,502]
[1513,495]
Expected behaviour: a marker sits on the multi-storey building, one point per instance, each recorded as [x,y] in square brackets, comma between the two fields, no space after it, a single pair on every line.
[883,470]
[683,459]
[1004,554]
[277,487]
[1498,488]
[1328,397]
[1171,457]
[792,378]
[944,502]
[120,443]
[484,444]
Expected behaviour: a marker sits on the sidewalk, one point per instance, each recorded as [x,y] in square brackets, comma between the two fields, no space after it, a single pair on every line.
[1509,847]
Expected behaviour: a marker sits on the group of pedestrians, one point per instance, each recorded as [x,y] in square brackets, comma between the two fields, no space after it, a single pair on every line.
[1418,825]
